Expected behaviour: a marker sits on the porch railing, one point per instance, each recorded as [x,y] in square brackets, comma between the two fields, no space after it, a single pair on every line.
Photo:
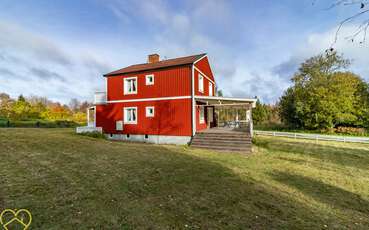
[100,98]
[241,125]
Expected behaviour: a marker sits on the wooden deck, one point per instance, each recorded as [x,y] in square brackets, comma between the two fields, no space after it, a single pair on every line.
[224,130]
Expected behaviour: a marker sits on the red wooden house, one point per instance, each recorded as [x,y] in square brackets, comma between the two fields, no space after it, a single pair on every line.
[166,101]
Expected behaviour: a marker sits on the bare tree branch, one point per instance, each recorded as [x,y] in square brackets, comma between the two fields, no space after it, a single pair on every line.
[362,10]
[349,19]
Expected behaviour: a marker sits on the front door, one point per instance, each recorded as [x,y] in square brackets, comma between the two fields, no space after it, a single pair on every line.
[210,117]
[91,116]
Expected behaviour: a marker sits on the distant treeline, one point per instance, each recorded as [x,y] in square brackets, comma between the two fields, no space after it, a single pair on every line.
[325,96]
[35,111]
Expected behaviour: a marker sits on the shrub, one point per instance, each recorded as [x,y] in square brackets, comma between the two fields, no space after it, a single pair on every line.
[94,134]
[38,124]
[350,130]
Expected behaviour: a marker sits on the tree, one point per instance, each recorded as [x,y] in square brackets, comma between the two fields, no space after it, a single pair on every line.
[323,96]
[57,111]
[287,109]
[21,109]
[74,105]
[5,105]
[84,106]
[259,113]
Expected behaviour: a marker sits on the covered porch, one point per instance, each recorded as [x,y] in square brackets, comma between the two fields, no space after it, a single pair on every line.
[91,122]
[223,124]
[224,115]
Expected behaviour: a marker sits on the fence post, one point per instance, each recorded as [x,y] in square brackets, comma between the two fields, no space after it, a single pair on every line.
[344,139]
[295,135]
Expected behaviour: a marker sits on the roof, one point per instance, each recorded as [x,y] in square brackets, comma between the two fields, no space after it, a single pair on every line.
[230,100]
[157,65]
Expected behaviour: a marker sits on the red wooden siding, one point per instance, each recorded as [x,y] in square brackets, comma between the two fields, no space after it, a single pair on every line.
[204,66]
[171,82]
[206,85]
[203,125]
[172,117]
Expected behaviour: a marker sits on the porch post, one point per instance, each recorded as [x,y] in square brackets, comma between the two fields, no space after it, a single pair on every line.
[94,116]
[249,119]
[88,116]
[251,123]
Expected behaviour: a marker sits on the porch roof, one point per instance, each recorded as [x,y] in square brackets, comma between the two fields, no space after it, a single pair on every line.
[210,100]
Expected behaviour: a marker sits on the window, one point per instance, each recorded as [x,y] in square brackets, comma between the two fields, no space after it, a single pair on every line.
[150,111]
[210,89]
[130,115]
[150,79]
[130,85]
[202,115]
[119,125]
[201,83]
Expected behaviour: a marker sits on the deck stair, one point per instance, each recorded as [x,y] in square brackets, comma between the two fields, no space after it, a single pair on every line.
[223,141]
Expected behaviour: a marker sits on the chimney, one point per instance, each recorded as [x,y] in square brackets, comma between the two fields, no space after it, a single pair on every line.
[152,58]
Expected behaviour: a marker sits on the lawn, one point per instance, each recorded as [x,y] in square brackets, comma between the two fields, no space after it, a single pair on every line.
[70,181]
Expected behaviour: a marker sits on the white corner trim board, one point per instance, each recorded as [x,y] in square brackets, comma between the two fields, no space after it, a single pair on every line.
[150,99]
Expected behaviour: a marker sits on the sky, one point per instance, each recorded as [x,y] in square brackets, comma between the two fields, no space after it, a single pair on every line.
[61,49]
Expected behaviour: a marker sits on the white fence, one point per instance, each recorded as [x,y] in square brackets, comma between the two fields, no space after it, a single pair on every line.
[316,137]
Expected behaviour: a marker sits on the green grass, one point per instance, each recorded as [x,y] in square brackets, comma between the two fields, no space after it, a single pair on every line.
[283,128]
[70,181]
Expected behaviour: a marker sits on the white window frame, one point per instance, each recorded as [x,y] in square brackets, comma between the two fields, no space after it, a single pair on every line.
[148,114]
[147,77]
[201,83]
[202,115]
[125,85]
[210,89]
[125,115]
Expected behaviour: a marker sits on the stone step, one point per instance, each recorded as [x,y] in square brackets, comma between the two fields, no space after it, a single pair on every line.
[222,138]
[221,135]
[221,142]
[225,149]
[224,134]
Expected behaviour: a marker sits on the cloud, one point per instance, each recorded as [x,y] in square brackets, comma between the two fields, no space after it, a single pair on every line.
[288,68]
[6,72]
[34,64]
[30,44]
[317,43]
[45,74]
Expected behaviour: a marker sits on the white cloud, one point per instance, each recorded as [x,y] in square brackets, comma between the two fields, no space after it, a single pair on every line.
[34,64]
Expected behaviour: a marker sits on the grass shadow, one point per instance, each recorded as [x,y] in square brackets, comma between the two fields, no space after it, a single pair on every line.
[324,193]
